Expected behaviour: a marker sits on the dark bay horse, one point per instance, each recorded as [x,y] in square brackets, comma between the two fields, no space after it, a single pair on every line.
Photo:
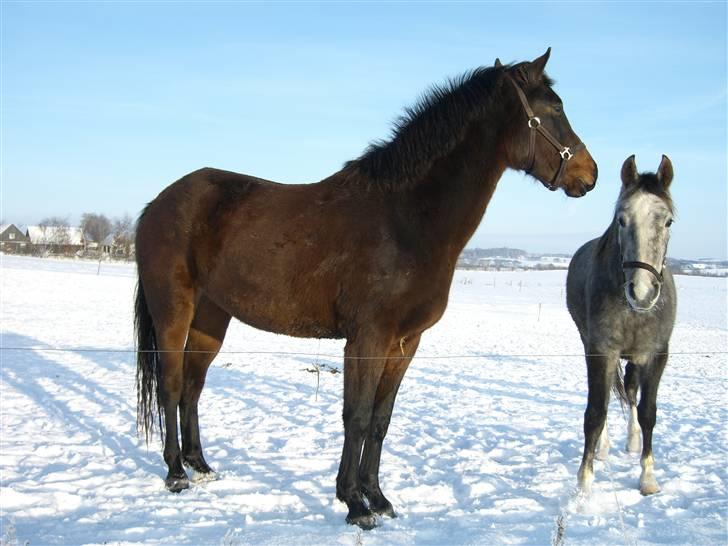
[367,255]
[622,299]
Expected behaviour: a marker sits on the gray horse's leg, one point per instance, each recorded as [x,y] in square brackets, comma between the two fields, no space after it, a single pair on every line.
[647,415]
[602,451]
[600,373]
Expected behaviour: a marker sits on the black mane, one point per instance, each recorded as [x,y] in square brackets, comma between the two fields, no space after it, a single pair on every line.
[428,130]
[650,183]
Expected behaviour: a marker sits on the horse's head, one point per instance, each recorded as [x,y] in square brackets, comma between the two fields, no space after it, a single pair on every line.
[643,218]
[542,142]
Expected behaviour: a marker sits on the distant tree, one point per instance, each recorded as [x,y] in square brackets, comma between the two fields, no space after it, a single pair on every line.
[123,232]
[95,227]
[55,231]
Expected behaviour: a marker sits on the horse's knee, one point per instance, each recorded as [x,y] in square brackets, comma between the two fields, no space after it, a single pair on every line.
[355,422]
[379,427]
[647,415]
[594,416]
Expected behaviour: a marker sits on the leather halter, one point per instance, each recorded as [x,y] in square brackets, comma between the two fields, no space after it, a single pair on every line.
[534,123]
[647,267]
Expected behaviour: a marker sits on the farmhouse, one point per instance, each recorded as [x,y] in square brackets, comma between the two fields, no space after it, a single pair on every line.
[12,240]
[56,239]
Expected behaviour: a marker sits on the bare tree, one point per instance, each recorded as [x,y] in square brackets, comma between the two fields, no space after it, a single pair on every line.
[95,227]
[123,232]
[55,231]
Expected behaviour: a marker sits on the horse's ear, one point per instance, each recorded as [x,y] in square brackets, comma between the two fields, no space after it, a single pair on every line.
[498,63]
[537,66]
[629,172]
[664,172]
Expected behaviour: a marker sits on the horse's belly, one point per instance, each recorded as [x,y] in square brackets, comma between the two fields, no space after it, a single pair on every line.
[283,321]
[287,312]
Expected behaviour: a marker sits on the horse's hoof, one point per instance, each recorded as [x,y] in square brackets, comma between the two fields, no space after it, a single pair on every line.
[649,487]
[197,464]
[384,510]
[367,522]
[203,477]
[177,484]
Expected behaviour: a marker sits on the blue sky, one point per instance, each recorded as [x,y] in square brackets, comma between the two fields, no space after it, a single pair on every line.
[106,103]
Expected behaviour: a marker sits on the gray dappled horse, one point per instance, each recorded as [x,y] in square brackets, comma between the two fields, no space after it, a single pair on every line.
[622,299]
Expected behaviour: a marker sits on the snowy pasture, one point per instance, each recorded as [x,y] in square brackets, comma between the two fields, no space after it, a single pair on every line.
[484,445]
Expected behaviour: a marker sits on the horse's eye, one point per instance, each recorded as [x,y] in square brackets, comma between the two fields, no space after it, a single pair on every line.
[668,223]
[559,109]
[621,221]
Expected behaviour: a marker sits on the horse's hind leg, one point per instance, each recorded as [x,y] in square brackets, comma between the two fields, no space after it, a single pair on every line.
[600,373]
[172,313]
[383,404]
[203,342]
[631,384]
[647,415]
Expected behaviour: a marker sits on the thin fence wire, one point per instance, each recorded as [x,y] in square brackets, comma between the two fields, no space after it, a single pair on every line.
[620,511]
[349,357]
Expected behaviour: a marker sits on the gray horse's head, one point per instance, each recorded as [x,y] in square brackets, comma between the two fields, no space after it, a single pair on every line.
[643,217]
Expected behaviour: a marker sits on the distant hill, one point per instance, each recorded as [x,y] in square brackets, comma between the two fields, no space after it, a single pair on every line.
[510,259]
[504,252]
[516,259]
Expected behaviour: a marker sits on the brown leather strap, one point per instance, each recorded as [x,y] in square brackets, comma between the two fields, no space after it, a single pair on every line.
[534,123]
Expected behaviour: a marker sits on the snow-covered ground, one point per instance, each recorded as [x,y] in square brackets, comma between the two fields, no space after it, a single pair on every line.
[484,445]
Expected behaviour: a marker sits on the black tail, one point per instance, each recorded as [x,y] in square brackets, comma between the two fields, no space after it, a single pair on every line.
[618,387]
[148,369]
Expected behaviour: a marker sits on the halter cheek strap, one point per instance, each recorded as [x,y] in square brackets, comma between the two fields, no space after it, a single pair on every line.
[534,123]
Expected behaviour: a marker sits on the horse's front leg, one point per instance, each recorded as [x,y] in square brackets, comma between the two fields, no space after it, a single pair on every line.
[394,371]
[600,373]
[647,415]
[364,363]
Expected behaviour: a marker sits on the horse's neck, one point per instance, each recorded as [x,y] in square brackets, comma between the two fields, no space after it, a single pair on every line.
[609,258]
[453,198]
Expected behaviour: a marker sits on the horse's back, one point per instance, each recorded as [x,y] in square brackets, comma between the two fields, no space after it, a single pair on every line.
[195,202]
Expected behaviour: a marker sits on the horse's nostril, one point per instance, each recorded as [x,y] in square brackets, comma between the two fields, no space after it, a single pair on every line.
[586,186]
[630,288]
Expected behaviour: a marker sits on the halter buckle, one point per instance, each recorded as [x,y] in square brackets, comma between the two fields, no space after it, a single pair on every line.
[533,122]
[566,154]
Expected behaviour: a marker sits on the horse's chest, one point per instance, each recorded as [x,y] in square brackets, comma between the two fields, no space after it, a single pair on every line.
[640,337]
[614,327]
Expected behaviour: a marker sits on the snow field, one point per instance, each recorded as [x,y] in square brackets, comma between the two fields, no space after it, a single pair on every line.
[483,448]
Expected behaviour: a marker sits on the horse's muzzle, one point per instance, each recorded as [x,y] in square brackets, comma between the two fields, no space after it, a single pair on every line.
[642,296]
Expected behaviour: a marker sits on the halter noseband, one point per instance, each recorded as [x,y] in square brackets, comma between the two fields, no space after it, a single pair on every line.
[534,123]
[647,267]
